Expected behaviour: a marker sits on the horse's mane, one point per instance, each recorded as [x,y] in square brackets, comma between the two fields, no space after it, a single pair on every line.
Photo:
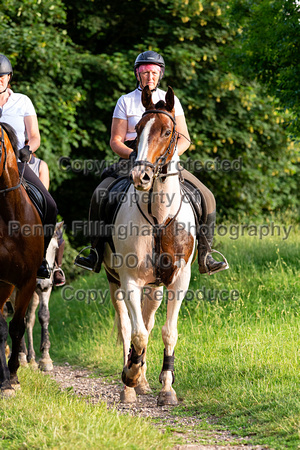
[11,134]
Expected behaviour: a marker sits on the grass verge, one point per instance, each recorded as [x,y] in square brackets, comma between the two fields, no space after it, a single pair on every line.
[237,357]
[41,416]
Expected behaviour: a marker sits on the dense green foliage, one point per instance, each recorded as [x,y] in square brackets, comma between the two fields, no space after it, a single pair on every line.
[268,48]
[75,60]
[45,68]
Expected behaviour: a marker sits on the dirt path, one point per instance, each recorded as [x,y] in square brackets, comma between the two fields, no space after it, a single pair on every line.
[99,389]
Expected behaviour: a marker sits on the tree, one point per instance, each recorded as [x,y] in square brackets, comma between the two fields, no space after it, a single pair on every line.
[268,49]
[46,69]
[76,59]
[228,117]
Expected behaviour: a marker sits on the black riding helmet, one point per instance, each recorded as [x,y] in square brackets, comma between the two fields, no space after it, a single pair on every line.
[150,57]
[5,66]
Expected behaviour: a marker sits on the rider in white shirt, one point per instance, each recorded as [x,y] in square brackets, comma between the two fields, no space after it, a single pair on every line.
[18,111]
[149,69]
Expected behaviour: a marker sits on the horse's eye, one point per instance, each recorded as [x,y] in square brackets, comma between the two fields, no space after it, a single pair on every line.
[167,133]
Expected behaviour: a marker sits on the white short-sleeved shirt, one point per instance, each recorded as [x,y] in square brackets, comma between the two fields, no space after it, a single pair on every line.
[129,107]
[14,110]
[34,165]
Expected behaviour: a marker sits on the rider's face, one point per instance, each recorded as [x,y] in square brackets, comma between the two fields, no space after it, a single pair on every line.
[4,80]
[150,78]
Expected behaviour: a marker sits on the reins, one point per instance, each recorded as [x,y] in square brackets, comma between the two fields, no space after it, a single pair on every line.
[3,146]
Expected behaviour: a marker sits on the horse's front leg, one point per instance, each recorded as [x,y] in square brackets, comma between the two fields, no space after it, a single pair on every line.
[127,394]
[6,389]
[45,362]
[176,293]
[152,297]
[139,335]
[29,321]
[17,328]
[23,353]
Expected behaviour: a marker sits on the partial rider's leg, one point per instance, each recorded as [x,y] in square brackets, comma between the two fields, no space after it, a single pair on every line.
[205,235]
[49,220]
[94,260]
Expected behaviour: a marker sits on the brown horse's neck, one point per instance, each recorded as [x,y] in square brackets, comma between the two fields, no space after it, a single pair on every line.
[9,177]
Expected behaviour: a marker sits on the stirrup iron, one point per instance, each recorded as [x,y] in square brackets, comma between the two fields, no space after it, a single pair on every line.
[77,263]
[224,260]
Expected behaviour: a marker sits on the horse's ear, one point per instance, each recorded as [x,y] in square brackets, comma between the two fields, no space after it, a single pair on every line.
[147,98]
[170,101]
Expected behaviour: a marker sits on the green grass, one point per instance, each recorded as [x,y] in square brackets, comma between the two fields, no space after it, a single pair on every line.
[41,416]
[237,361]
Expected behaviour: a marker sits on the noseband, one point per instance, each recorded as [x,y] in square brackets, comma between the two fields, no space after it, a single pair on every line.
[161,161]
[3,146]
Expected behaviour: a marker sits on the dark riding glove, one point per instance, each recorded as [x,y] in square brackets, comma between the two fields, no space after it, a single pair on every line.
[133,156]
[25,154]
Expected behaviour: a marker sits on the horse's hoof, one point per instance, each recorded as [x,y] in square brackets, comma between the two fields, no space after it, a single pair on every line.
[167,398]
[128,395]
[7,390]
[128,381]
[143,389]
[16,386]
[7,393]
[13,381]
[23,360]
[33,364]
[45,365]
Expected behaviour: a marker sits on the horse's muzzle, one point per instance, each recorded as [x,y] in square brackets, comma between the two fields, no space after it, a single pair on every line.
[142,177]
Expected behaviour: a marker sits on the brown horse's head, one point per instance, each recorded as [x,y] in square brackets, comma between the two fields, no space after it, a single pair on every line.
[156,139]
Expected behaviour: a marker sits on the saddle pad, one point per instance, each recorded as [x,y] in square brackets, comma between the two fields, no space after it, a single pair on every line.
[117,191]
[194,196]
[37,198]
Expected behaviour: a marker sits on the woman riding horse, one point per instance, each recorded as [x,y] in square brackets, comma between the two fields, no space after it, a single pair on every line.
[149,69]
[21,254]
[18,111]
[157,254]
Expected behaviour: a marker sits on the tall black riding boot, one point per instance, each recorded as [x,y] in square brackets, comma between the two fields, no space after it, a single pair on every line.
[44,269]
[94,260]
[207,264]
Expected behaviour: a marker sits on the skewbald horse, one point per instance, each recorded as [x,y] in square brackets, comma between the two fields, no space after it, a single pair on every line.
[21,255]
[163,254]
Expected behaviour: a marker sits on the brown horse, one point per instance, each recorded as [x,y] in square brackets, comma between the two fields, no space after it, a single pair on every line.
[21,254]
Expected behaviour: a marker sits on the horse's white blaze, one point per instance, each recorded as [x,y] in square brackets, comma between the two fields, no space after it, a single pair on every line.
[144,140]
